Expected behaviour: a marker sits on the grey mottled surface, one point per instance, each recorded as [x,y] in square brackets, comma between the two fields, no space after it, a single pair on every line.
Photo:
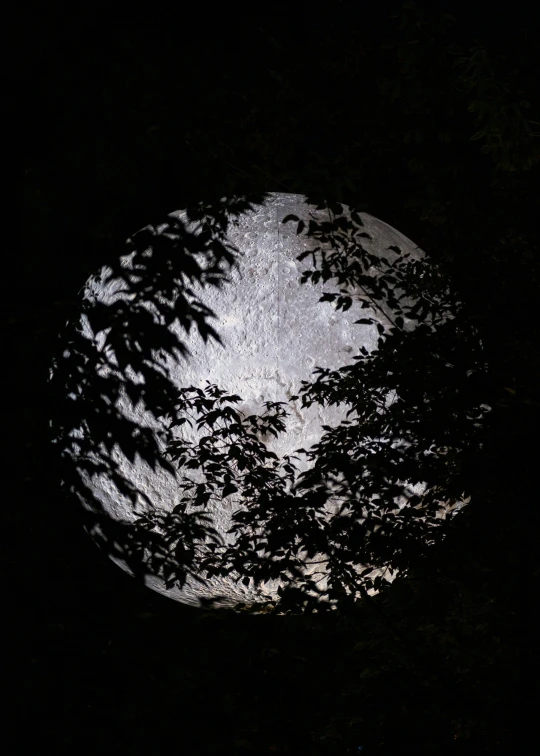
[275,331]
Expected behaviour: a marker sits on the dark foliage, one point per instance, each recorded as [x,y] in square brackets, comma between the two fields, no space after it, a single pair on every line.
[416,402]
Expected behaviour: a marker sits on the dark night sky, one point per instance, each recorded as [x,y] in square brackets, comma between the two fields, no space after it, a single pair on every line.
[249,101]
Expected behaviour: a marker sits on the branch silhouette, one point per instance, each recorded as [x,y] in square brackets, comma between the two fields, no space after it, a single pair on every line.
[379,486]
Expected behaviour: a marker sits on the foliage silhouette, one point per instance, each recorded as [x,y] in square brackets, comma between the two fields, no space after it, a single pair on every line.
[380,484]
[122,350]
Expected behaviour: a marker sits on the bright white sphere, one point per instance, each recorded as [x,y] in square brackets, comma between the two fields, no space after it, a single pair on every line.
[275,331]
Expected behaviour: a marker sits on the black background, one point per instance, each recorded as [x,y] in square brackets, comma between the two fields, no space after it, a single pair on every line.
[118,119]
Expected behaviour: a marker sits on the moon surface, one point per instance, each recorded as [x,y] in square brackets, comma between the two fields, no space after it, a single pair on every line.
[275,331]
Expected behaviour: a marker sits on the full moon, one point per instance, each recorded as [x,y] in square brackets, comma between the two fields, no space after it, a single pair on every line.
[274,332]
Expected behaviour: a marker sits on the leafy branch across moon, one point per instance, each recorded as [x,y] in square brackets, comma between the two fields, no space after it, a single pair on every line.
[210,461]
